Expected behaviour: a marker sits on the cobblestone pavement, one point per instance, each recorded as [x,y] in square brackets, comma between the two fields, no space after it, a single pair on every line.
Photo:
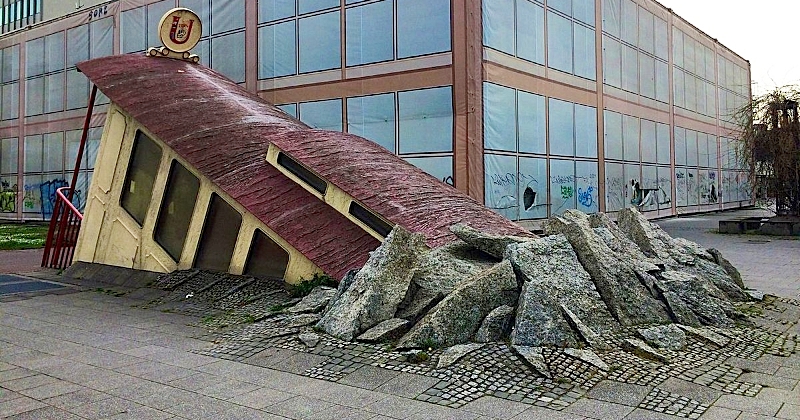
[224,348]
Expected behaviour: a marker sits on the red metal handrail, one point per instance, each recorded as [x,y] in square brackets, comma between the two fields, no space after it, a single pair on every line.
[62,236]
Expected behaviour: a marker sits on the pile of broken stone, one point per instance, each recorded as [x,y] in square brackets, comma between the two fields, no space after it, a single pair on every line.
[587,277]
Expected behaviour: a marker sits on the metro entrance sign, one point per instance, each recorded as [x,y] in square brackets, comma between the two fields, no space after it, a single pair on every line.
[180,30]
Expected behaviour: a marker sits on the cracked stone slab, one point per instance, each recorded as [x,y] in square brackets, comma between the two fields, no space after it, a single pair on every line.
[534,358]
[668,337]
[453,354]
[592,338]
[706,335]
[315,302]
[587,356]
[302,320]
[641,349]
[386,330]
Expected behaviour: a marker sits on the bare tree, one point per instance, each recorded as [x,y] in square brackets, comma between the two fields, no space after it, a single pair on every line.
[770,147]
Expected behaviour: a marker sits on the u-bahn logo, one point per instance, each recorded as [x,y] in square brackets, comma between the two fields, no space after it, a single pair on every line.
[180,29]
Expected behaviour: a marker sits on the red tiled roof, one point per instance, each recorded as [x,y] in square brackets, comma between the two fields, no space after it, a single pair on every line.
[224,132]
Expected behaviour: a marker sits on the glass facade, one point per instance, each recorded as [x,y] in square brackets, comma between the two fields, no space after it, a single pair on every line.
[532,137]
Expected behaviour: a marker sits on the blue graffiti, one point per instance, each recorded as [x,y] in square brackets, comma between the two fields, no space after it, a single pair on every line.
[586,197]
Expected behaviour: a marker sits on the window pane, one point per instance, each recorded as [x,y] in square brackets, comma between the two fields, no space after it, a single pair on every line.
[612,62]
[498,21]
[226,16]
[691,148]
[629,22]
[77,89]
[53,160]
[630,138]
[10,101]
[307,6]
[10,64]
[77,45]
[585,131]
[54,86]
[583,10]
[426,120]
[34,94]
[562,186]
[563,6]
[423,27]
[662,39]
[275,9]
[142,169]
[34,57]
[54,52]
[585,52]
[680,146]
[322,115]
[33,153]
[290,109]
[532,190]
[227,56]
[613,135]
[373,117]
[677,47]
[320,42]
[278,50]
[176,210]
[559,42]
[200,7]
[648,141]
[102,37]
[531,121]
[562,128]
[500,184]
[662,81]
[702,150]
[611,19]
[615,187]
[9,150]
[663,143]
[154,13]
[587,187]
[692,187]
[132,30]
[530,31]
[266,258]
[219,236]
[369,33]
[630,70]
[499,117]
[633,177]
[440,168]
[646,31]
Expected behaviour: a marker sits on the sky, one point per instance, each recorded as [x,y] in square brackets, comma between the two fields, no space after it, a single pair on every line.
[764,32]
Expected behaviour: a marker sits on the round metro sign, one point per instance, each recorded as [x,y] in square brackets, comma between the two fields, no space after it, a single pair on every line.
[180,29]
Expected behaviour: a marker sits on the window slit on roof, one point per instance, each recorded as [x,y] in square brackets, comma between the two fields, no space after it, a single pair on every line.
[301,172]
[370,219]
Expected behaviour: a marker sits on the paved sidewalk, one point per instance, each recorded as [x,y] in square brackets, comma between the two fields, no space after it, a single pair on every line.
[91,354]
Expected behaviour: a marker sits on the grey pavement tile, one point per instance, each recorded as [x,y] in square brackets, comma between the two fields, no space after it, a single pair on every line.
[539,413]
[28,382]
[201,407]
[6,366]
[442,413]
[368,377]
[16,373]
[141,413]
[38,363]
[228,389]
[164,397]
[495,407]
[224,367]
[287,360]
[45,413]
[110,380]
[142,349]
[599,409]
[749,404]
[762,366]
[7,394]
[789,411]
[778,395]
[618,392]
[104,408]
[18,406]
[788,372]
[50,390]
[346,395]
[156,371]
[105,359]
[702,394]
[74,399]
[180,358]
[197,381]
[298,407]
[407,385]
[640,414]
[340,412]
[245,413]
[137,388]
[397,407]
[261,398]
[751,416]
[772,381]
